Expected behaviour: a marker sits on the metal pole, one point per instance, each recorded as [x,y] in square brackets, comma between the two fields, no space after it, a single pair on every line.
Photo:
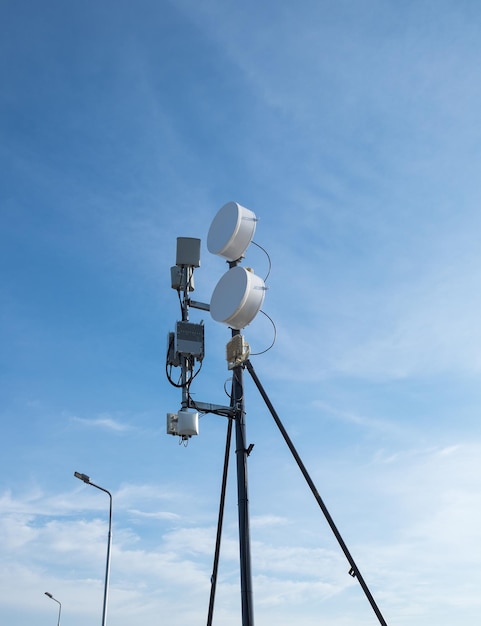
[59,611]
[184,361]
[242,489]
[354,569]
[242,496]
[107,565]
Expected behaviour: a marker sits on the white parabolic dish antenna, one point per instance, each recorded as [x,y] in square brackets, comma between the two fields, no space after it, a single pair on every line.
[231,231]
[237,298]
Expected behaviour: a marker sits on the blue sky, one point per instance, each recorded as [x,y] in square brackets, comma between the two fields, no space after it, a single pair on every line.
[352,130]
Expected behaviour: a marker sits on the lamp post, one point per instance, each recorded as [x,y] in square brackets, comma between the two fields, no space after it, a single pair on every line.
[87,481]
[59,605]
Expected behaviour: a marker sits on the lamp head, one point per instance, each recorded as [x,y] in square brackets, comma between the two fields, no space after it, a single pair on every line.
[84,477]
[48,594]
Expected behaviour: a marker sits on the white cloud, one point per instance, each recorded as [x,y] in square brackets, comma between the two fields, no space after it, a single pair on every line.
[104,422]
[431,492]
[268,521]
[159,515]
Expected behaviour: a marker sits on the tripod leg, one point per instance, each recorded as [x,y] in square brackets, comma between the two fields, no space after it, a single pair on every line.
[220,520]
[354,571]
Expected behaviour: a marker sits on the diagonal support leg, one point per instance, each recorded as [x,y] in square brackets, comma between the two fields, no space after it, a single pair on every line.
[354,571]
[220,520]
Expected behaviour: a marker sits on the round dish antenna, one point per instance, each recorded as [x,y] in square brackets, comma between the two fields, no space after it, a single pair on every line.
[237,298]
[231,231]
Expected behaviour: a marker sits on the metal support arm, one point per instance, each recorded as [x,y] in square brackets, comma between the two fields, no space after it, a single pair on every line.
[206,407]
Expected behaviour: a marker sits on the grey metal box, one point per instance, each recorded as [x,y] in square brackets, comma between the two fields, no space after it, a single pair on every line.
[189,339]
[188,251]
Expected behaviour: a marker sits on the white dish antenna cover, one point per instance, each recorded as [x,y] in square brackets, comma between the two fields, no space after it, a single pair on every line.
[231,231]
[237,298]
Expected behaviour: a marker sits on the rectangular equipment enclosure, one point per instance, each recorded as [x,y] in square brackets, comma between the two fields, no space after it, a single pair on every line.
[188,423]
[189,339]
[237,351]
[188,251]
[176,277]
[172,419]
[173,357]
[181,279]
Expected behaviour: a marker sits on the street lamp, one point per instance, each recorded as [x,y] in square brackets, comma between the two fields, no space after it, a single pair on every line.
[87,481]
[59,605]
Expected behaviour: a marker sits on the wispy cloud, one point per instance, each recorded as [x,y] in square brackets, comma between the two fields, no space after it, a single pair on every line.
[432,491]
[268,521]
[356,418]
[103,422]
[155,515]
